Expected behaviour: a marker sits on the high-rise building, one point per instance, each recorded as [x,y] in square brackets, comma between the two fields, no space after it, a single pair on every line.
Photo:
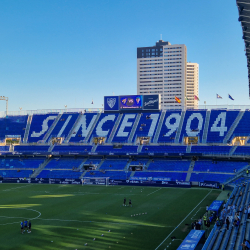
[162,69]
[192,85]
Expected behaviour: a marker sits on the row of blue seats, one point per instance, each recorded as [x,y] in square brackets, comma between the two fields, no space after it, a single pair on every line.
[240,150]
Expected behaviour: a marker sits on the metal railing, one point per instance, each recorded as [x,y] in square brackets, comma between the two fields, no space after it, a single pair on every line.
[51,111]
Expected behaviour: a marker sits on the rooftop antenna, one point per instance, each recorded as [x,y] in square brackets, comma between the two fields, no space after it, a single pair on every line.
[161,36]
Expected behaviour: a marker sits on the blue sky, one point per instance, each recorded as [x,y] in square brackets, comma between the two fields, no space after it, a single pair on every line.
[67,52]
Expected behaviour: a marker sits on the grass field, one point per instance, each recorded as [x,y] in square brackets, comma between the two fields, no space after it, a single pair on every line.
[68,216]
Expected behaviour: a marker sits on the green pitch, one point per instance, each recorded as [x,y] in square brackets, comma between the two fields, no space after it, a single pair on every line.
[68,216]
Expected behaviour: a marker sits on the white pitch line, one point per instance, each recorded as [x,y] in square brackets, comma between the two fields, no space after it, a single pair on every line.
[154,191]
[196,213]
[18,187]
[184,219]
[16,217]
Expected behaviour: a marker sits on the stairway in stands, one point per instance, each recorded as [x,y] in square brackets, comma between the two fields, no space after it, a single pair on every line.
[46,136]
[66,140]
[112,134]
[157,133]
[92,128]
[190,170]
[131,136]
[204,138]
[82,164]
[178,133]
[40,168]
[127,165]
[27,129]
[233,126]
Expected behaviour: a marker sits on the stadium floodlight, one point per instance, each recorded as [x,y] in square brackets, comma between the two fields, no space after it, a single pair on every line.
[4,98]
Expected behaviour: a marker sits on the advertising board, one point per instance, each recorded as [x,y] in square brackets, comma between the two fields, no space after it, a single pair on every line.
[151,102]
[131,102]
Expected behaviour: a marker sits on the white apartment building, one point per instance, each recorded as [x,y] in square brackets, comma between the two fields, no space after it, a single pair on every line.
[162,69]
[192,84]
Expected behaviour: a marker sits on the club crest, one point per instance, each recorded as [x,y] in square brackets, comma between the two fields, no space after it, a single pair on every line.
[111,102]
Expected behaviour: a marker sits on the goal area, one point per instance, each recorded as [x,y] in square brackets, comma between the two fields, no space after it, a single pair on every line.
[95,181]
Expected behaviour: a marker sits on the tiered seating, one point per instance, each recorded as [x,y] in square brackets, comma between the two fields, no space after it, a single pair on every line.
[193,124]
[93,161]
[242,150]
[139,162]
[172,176]
[64,125]
[72,149]
[217,131]
[200,177]
[169,127]
[4,148]
[59,174]
[211,149]
[13,125]
[164,149]
[15,173]
[115,175]
[147,127]
[20,163]
[83,127]
[161,165]
[63,163]
[39,126]
[111,149]
[104,125]
[218,166]
[31,149]
[114,164]
[243,128]
[220,237]
[124,128]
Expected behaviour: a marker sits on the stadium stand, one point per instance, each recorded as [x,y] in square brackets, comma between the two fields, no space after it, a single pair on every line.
[219,124]
[211,149]
[13,125]
[242,150]
[158,159]
[124,128]
[72,148]
[27,148]
[40,124]
[64,125]
[58,163]
[169,127]
[114,164]
[83,127]
[193,124]
[243,128]
[146,126]
[164,149]
[104,126]
[20,163]
[111,149]
[169,165]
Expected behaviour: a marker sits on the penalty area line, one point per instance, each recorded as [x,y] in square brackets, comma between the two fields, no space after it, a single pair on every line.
[183,219]
[154,191]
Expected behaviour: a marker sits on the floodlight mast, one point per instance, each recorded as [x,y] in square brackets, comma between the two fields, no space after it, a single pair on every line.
[4,98]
